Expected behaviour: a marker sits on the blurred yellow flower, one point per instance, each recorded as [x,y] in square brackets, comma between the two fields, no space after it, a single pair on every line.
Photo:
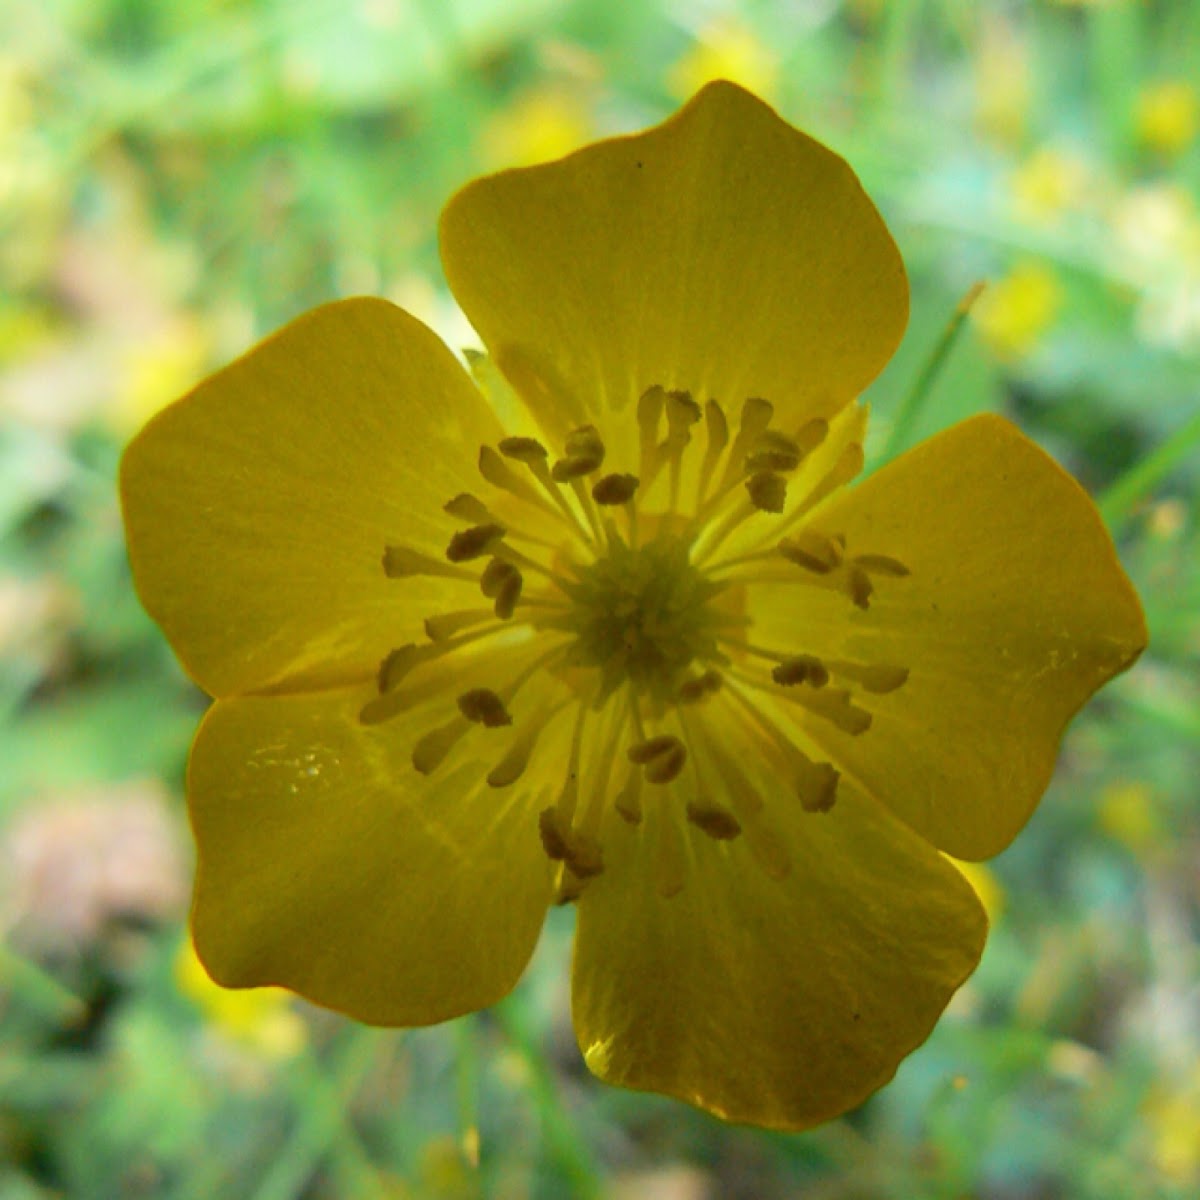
[263,1020]
[1003,79]
[1048,185]
[1127,814]
[1016,311]
[156,370]
[1168,116]
[726,48]
[1172,1120]
[541,124]
[643,650]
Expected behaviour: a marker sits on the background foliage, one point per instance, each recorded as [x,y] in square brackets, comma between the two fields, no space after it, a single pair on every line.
[178,178]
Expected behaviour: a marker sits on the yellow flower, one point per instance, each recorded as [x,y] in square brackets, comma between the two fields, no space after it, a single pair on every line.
[642,651]
[1168,116]
[725,48]
[1017,310]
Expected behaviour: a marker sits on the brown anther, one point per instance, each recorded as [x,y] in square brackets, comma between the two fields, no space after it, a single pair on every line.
[643,752]
[817,788]
[692,691]
[682,413]
[774,451]
[860,587]
[804,668]
[580,851]
[614,489]
[468,508]
[881,564]
[396,666]
[508,596]
[484,707]
[473,543]
[628,802]
[767,491]
[524,449]
[812,551]
[495,575]
[584,442]
[575,467]
[719,823]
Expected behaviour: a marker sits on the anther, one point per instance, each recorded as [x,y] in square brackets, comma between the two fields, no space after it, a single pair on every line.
[468,508]
[860,587]
[628,802]
[494,576]
[876,678]
[508,595]
[682,413]
[615,489]
[804,668]
[484,707]
[817,787]
[473,543]
[767,491]
[662,758]
[719,823]
[584,454]
[692,691]
[524,449]
[578,850]
[811,550]
[774,451]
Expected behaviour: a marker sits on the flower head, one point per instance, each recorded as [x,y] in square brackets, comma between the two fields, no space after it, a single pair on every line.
[643,651]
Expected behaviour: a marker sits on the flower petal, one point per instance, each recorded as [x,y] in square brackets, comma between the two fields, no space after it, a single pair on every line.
[722,252]
[329,866]
[258,507]
[1016,610]
[779,1002]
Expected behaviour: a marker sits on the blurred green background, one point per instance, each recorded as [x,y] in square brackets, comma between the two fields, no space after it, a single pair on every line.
[176,179]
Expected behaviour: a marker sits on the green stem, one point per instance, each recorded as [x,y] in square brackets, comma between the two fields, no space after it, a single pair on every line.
[910,407]
[1117,502]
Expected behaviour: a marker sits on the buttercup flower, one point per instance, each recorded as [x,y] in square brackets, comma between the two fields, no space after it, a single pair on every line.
[644,651]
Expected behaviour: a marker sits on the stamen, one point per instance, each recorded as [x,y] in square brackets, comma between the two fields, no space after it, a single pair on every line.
[442,626]
[804,668]
[662,758]
[615,489]
[584,455]
[484,707]
[719,823]
[881,564]
[396,666]
[628,802]
[579,851]
[871,677]
[692,691]
[402,562]
[430,751]
[469,508]
[812,550]
[524,449]
[774,451]
[469,544]
[682,413]
[649,413]
[718,438]
[767,491]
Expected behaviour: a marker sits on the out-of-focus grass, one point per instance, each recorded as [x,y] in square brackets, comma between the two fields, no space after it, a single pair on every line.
[177,179]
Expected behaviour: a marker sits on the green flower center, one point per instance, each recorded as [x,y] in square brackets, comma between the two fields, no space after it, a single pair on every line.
[642,616]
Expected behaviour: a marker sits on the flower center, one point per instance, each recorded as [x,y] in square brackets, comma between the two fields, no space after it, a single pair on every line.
[623,600]
[641,616]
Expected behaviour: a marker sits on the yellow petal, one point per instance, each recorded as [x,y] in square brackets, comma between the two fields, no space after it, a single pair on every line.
[258,507]
[722,252]
[779,1002]
[329,866]
[1016,610]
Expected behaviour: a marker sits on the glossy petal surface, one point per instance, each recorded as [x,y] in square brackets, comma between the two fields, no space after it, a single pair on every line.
[778,1002]
[1015,612]
[258,507]
[722,252]
[328,865]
